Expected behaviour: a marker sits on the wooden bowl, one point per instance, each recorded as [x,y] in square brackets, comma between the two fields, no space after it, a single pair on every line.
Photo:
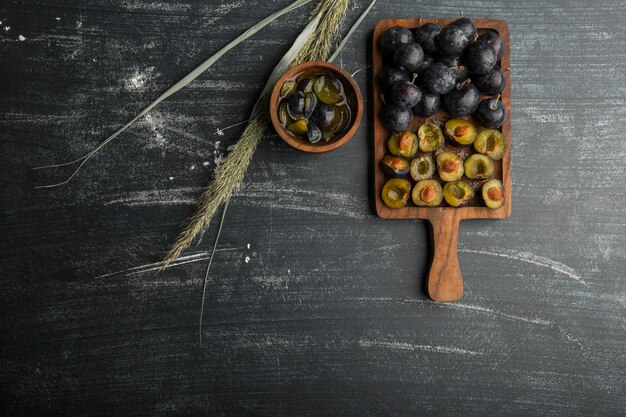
[355,101]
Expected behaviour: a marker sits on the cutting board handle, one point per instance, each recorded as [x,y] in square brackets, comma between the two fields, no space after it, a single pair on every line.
[445,282]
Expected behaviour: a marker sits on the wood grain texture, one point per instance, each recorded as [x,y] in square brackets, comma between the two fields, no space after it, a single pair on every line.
[329,316]
[445,281]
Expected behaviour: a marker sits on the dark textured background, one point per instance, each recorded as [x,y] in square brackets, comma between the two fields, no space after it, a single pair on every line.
[328,316]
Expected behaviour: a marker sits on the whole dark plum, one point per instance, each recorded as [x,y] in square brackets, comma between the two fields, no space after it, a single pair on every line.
[425,35]
[462,100]
[313,133]
[496,42]
[490,83]
[405,94]
[396,118]
[491,113]
[408,57]
[388,76]
[393,38]
[426,62]
[452,41]
[428,105]
[480,57]
[466,25]
[323,115]
[456,65]
[439,79]
[295,104]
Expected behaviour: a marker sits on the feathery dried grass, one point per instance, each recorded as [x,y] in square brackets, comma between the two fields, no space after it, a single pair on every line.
[229,175]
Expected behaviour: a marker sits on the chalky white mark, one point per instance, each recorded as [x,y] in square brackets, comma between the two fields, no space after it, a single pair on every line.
[139,78]
[156,124]
[247,259]
[206,163]
[171,178]
[221,10]
[192,167]
[58,18]
[394,345]
[533,259]
[21,38]
[79,24]
[219,158]
[248,246]
[7,28]
[155,266]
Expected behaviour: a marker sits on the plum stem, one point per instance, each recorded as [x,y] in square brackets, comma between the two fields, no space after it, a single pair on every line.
[507,69]
[462,14]
[382,98]
[475,36]
[414,77]
[463,83]
[419,21]
[495,103]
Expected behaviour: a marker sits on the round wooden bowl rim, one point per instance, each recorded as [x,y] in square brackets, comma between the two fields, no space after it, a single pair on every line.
[302,144]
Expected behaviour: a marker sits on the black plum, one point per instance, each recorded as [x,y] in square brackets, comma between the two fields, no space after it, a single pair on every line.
[425,35]
[462,100]
[323,114]
[452,41]
[408,57]
[405,94]
[313,133]
[295,104]
[389,76]
[393,38]
[496,42]
[439,79]
[426,62]
[491,113]
[455,64]
[466,26]
[480,57]
[490,83]
[396,118]
[428,105]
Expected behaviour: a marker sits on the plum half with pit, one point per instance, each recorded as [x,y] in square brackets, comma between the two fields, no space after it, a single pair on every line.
[393,38]
[425,35]
[439,79]
[427,193]
[396,118]
[408,57]
[462,100]
[405,94]
[480,57]
[491,113]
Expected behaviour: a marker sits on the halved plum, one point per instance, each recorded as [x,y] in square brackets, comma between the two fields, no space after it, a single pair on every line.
[430,137]
[490,142]
[479,167]
[493,194]
[396,193]
[395,166]
[403,143]
[427,193]
[460,131]
[457,193]
[422,167]
[450,166]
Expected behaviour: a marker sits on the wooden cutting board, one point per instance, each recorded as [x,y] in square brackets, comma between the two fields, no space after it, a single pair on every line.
[445,282]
